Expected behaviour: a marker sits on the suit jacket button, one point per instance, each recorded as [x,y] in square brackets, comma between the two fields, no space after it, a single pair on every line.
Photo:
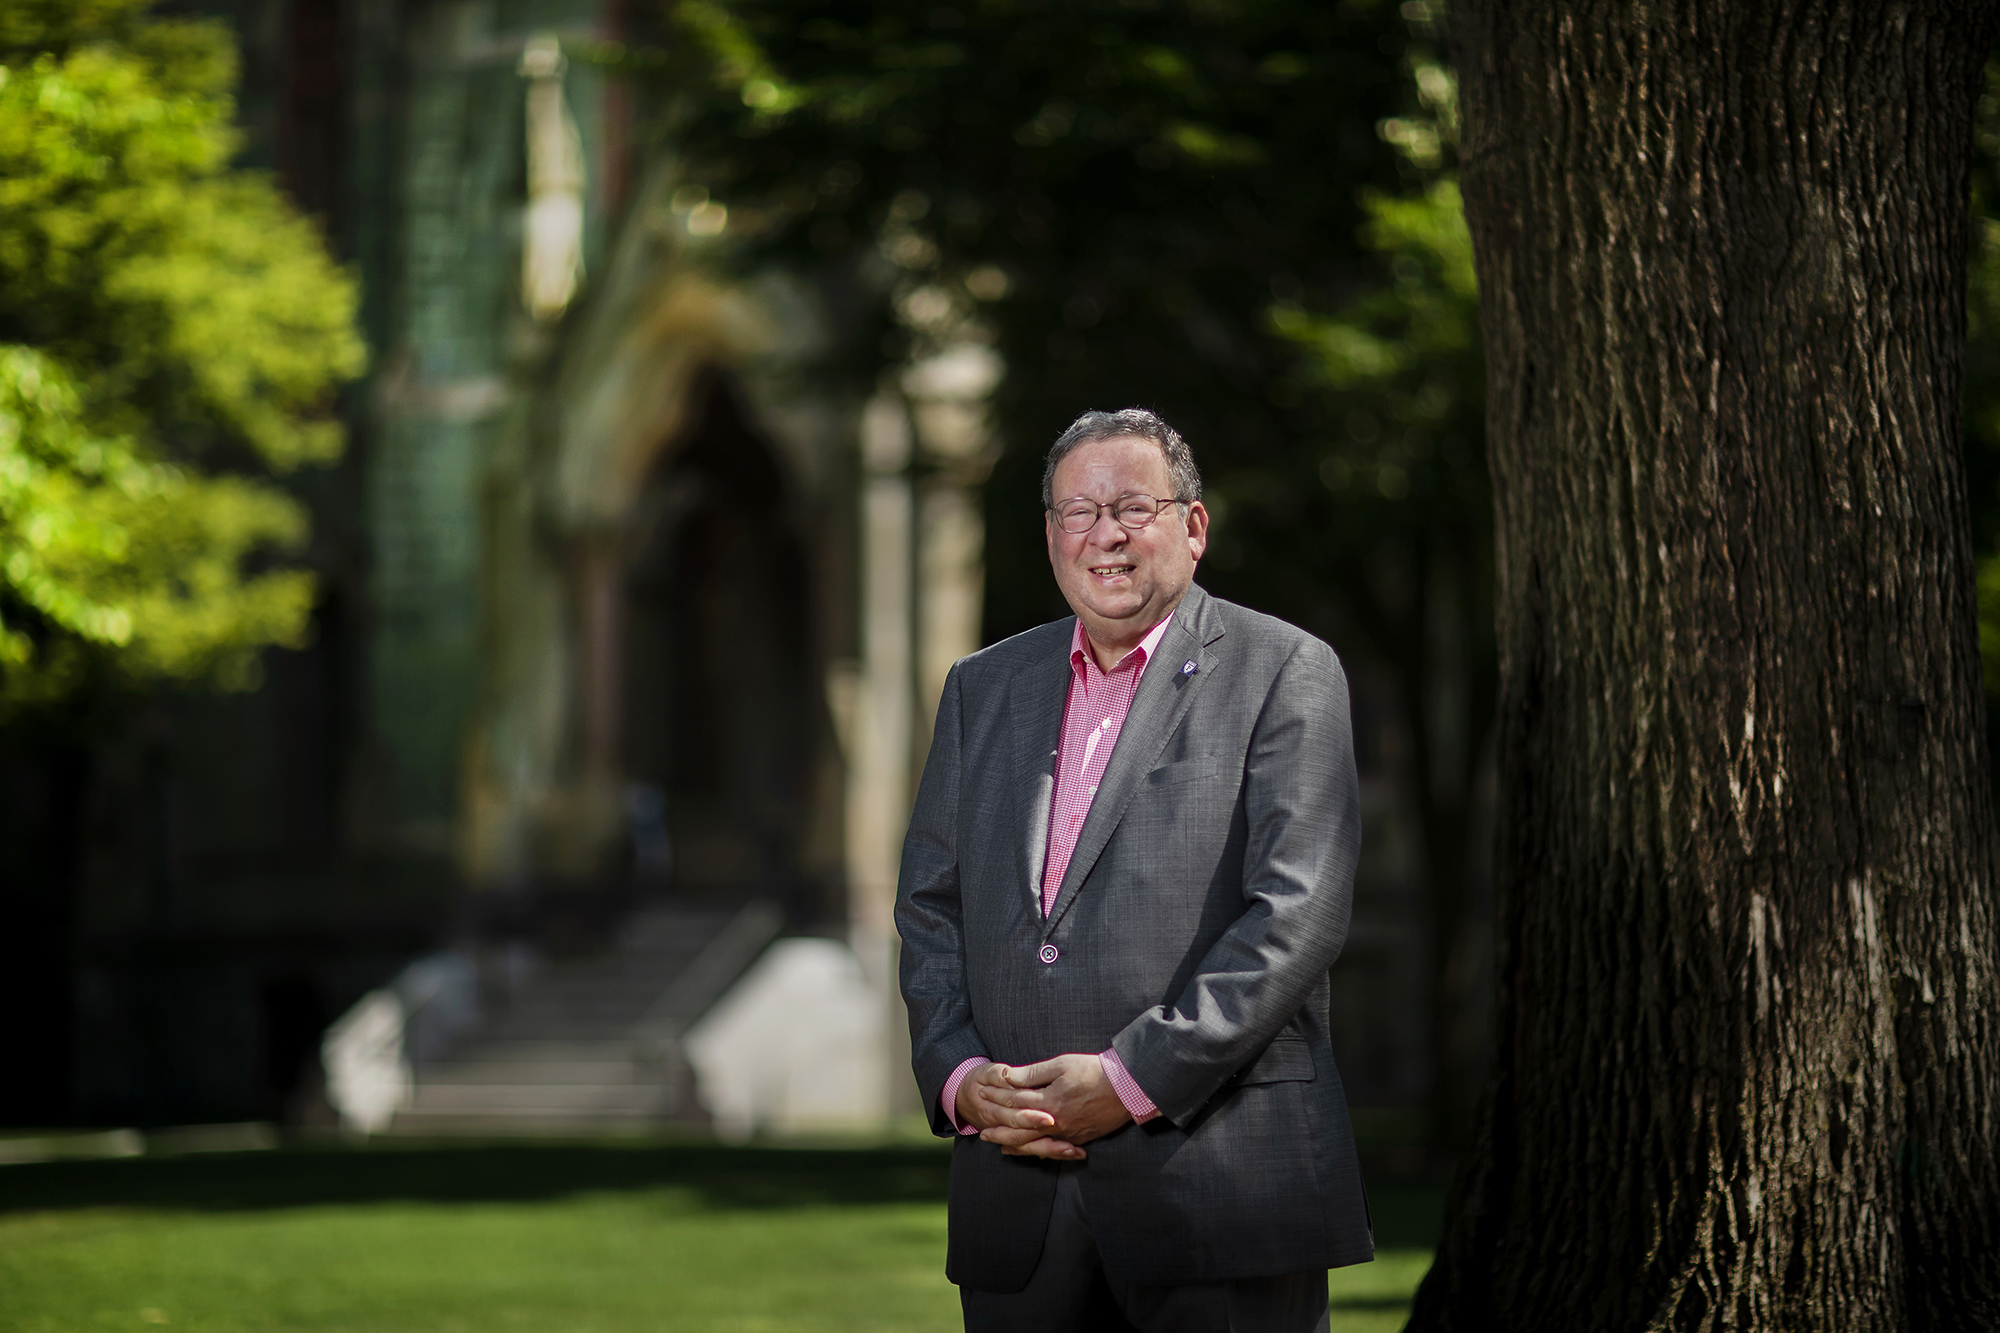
[1049,953]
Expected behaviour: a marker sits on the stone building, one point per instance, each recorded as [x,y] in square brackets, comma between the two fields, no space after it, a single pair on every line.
[619,607]
[613,607]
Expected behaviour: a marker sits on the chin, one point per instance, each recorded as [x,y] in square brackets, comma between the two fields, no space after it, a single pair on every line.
[1122,616]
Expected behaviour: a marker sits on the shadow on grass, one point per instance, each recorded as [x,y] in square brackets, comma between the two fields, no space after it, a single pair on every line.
[488,1173]
[1368,1304]
[1407,1215]
[723,1177]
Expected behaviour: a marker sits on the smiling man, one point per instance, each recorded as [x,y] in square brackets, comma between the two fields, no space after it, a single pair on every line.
[1128,871]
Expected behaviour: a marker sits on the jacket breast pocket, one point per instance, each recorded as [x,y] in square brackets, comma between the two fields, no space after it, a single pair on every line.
[1199,769]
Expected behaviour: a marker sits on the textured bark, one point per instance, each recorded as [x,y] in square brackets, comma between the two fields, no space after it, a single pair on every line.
[1746,1049]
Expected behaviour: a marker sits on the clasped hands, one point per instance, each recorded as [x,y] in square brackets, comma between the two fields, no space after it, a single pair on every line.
[1048,1109]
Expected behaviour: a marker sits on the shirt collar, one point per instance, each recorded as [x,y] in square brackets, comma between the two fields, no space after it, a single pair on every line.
[1079,650]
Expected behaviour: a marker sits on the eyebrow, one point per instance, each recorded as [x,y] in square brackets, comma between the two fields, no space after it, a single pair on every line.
[1122,495]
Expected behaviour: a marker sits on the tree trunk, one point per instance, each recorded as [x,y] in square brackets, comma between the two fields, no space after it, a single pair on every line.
[1745,1073]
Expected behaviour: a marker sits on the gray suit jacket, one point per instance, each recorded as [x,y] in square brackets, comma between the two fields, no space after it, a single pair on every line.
[1207,897]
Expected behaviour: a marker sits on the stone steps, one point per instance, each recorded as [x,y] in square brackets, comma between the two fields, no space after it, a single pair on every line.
[592,1044]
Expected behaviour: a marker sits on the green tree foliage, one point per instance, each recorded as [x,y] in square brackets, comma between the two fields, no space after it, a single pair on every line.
[1398,375]
[169,328]
[1114,192]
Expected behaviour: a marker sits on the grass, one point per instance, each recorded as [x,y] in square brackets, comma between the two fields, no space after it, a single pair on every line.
[579,1238]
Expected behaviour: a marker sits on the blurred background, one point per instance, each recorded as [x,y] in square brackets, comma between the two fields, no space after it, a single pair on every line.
[489,493]
[520,470]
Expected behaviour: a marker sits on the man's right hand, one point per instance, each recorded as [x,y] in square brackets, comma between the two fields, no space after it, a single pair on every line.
[987,1101]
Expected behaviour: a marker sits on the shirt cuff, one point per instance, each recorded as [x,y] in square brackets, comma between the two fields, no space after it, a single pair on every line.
[1129,1092]
[949,1097]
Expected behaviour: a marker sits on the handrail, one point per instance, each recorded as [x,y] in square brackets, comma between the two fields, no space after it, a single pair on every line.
[371,1052]
[719,963]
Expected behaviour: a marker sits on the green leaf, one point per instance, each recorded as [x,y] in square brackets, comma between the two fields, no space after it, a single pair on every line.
[154,304]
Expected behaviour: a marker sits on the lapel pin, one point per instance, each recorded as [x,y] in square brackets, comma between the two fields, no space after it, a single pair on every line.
[1188,667]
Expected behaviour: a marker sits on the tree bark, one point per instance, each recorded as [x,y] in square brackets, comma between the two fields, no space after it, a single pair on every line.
[1745,1072]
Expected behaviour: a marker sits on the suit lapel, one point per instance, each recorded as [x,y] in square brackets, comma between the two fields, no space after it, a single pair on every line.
[1165,693]
[1041,692]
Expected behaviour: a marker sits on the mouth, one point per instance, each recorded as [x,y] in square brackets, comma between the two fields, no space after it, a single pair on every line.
[1111,571]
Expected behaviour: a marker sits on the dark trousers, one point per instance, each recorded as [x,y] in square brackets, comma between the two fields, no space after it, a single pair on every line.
[1071,1293]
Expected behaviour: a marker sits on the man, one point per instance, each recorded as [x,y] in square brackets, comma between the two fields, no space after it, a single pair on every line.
[1128,870]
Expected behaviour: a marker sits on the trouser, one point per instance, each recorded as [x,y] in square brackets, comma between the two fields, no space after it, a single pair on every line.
[1071,1293]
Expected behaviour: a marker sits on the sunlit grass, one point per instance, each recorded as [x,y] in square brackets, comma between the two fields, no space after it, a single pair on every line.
[592,1264]
[1375,1298]
[693,1240]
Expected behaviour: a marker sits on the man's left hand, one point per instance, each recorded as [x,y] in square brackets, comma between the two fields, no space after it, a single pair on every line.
[1072,1088]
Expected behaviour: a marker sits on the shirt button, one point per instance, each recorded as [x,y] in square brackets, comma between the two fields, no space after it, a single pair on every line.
[1049,953]
[1107,724]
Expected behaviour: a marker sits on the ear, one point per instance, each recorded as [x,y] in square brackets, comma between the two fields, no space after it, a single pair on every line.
[1197,528]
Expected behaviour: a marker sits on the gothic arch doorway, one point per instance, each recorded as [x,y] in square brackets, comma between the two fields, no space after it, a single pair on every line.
[721,706]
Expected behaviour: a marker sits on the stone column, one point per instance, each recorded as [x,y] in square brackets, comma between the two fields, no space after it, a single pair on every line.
[922,582]
[878,776]
[948,396]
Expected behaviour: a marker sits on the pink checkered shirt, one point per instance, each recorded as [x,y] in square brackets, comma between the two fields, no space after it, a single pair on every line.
[1092,718]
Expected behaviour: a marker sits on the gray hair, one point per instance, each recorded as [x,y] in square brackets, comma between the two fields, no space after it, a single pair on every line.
[1138,423]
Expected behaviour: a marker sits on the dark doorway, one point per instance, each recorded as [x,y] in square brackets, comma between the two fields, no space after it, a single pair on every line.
[43,780]
[294,1019]
[720,677]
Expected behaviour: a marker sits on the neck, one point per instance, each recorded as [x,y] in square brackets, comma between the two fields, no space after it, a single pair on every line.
[1108,655]
[1110,647]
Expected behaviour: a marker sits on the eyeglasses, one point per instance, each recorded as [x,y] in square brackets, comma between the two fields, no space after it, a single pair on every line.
[1079,516]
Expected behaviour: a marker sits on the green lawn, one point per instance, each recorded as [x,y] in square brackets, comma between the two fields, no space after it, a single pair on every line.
[571,1238]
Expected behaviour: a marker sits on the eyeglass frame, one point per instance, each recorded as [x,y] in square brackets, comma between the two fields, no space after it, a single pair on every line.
[1055,510]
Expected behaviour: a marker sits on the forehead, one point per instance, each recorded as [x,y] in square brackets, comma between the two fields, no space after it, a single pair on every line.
[1106,469]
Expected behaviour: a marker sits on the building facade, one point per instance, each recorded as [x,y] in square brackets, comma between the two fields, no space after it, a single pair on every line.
[618,602]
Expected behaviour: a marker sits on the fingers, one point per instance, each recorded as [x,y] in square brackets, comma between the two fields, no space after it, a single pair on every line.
[1054,1149]
[992,1074]
[1038,1075]
[990,1110]
[1009,1136]
[1006,1094]
[1033,1143]
[1035,1122]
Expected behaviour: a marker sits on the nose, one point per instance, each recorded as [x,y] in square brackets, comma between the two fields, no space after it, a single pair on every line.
[1107,531]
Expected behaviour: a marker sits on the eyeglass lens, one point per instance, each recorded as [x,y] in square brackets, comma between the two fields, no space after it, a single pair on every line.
[1132,511]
